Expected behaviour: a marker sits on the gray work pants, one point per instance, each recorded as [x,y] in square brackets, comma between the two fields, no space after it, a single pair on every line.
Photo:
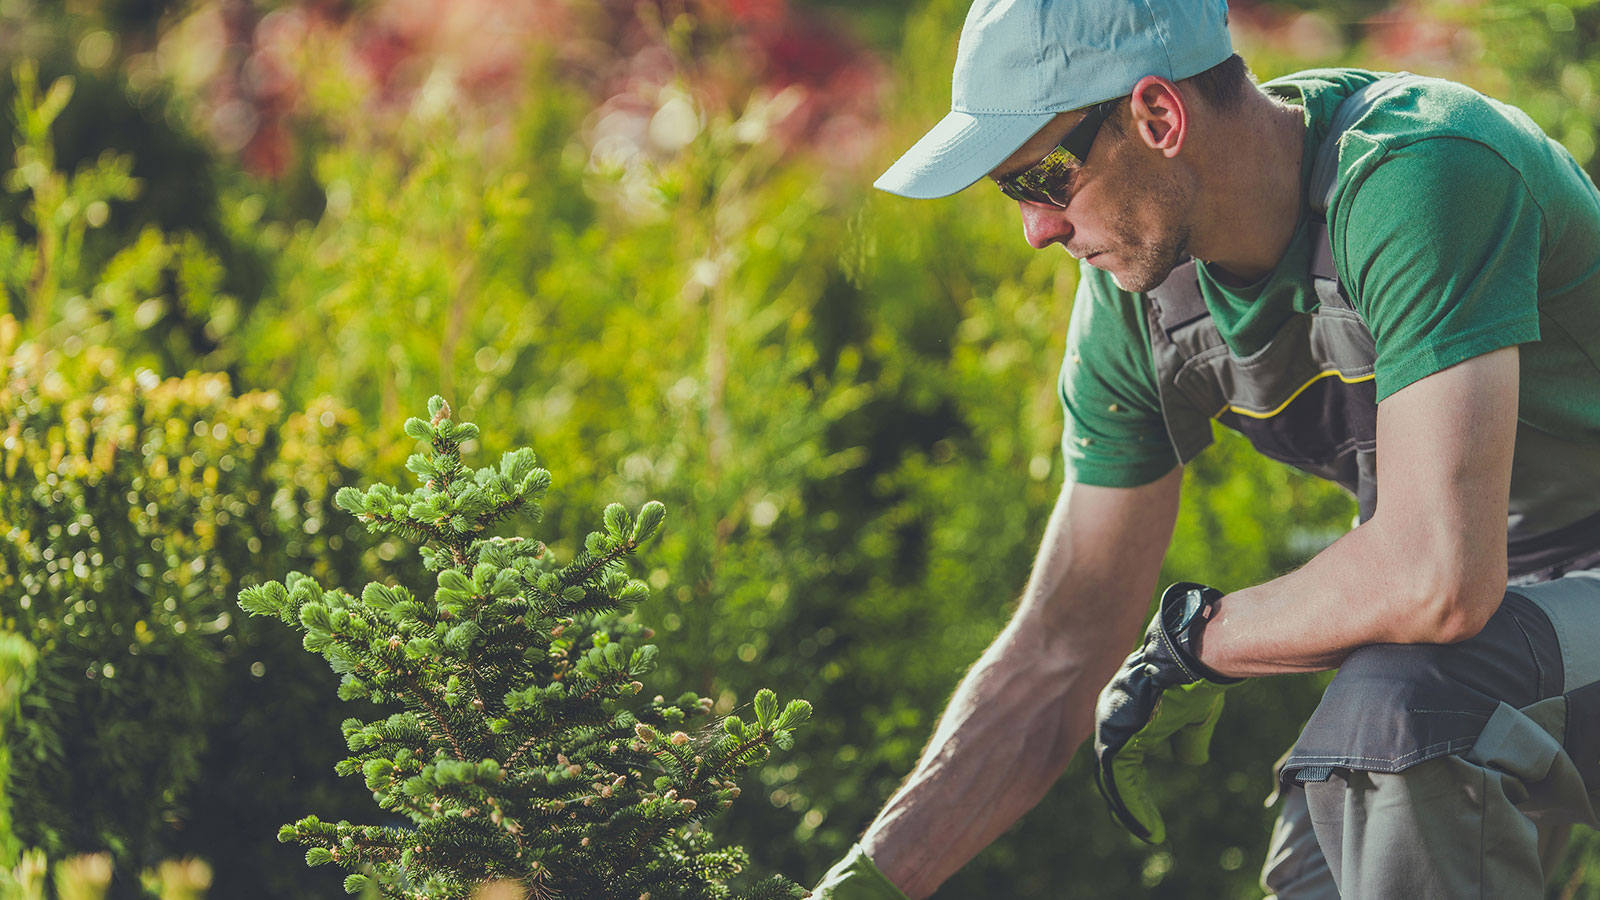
[1485,821]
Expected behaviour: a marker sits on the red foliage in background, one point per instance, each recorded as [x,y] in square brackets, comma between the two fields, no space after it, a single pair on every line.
[476,55]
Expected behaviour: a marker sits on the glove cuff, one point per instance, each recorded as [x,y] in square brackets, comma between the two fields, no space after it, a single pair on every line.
[856,877]
[1186,607]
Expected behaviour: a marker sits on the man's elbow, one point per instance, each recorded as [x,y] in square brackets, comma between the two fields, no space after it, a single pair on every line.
[1460,601]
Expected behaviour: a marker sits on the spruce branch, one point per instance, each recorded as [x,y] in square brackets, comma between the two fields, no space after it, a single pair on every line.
[420,695]
[586,567]
[408,528]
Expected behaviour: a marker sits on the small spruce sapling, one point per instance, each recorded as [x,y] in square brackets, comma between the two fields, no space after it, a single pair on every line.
[521,749]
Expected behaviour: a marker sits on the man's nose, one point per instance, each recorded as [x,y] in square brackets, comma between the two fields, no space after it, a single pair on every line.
[1044,225]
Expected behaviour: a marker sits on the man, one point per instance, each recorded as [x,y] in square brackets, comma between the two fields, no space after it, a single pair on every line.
[1391,282]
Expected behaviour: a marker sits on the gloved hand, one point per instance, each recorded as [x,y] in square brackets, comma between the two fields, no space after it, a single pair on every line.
[856,878]
[1161,696]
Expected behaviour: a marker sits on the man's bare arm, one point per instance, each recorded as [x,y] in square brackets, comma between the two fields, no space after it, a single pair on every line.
[1022,710]
[1428,567]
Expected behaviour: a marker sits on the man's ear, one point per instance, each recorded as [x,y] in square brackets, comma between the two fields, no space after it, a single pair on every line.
[1158,115]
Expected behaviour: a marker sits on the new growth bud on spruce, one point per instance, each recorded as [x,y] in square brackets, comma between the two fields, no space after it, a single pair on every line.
[519,743]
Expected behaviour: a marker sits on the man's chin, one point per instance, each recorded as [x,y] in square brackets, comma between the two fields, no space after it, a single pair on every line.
[1137,282]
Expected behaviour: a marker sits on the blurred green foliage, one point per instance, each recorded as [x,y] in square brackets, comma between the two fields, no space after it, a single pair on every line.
[846,399]
[17,658]
[1539,57]
[130,508]
[88,877]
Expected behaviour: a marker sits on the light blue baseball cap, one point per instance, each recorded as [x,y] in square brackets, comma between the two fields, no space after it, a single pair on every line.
[1022,61]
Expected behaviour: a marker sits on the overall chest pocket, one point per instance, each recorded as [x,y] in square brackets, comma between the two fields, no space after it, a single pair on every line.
[1308,398]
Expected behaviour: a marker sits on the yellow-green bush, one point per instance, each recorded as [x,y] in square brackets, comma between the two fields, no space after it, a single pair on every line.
[129,509]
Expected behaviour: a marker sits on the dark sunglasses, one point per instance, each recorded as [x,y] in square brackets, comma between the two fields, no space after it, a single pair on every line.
[1046,180]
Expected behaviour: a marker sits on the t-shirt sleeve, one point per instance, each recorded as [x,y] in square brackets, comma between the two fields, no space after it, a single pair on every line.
[1114,434]
[1442,242]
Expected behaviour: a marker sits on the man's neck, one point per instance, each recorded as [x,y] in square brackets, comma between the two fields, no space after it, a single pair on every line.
[1251,189]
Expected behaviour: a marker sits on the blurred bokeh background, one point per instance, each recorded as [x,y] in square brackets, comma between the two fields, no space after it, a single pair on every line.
[241,241]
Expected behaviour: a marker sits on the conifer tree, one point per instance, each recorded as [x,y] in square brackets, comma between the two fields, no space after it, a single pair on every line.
[520,750]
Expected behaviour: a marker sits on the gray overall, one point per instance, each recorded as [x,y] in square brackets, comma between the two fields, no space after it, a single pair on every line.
[1427,771]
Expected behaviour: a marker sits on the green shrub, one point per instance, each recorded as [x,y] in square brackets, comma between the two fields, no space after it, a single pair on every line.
[518,750]
[129,505]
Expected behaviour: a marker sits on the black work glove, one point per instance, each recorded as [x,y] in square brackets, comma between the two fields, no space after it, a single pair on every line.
[1162,694]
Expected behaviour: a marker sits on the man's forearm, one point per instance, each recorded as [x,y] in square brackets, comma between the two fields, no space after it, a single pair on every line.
[1005,738]
[1025,706]
[1368,588]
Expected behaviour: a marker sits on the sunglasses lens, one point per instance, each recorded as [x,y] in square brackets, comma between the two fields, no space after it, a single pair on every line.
[1045,183]
[1023,194]
[1042,195]
[1048,180]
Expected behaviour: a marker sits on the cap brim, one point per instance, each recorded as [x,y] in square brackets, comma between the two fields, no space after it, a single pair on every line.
[959,150]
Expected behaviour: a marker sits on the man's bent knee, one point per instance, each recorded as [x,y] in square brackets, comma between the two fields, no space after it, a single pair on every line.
[1393,706]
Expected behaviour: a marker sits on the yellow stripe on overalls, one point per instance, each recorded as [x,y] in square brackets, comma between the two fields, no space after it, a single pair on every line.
[1297,392]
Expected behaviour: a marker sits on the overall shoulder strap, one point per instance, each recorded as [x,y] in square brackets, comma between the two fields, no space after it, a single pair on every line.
[1177,301]
[1325,179]
[1325,167]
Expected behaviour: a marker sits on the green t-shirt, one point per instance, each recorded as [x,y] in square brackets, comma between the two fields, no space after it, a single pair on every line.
[1457,228]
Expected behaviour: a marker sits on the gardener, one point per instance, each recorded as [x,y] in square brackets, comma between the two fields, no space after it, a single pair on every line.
[1392,282]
